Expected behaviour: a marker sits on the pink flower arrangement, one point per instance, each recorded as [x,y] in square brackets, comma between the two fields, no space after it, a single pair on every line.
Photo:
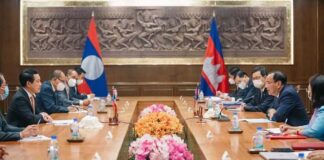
[170,147]
[157,108]
[177,148]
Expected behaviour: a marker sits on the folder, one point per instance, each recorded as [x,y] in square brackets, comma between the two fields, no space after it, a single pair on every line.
[286,137]
[308,146]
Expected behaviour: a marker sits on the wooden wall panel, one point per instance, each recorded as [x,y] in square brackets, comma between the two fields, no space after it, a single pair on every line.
[168,80]
[321,36]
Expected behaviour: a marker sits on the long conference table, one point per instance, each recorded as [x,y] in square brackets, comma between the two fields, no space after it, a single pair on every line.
[236,145]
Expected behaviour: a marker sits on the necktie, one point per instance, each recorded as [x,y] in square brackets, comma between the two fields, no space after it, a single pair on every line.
[32,102]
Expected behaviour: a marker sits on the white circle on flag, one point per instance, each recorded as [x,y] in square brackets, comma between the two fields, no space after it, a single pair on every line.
[93,67]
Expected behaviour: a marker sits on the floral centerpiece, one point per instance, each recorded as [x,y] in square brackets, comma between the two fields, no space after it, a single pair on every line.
[169,147]
[158,124]
[157,108]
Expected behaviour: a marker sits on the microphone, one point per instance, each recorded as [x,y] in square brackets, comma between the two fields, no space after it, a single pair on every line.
[222,117]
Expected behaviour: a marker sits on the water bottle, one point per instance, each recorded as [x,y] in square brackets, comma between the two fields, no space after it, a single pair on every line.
[197,92]
[109,98]
[258,139]
[75,129]
[115,94]
[301,156]
[102,105]
[53,149]
[201,95]
[209,103]
[90,111]
[235,121]
[217,110]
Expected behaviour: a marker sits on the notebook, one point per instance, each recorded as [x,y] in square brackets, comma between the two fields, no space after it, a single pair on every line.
[278,156]
[308,146]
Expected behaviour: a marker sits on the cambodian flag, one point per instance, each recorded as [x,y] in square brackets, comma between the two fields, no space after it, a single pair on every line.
[92,63]
[214,75]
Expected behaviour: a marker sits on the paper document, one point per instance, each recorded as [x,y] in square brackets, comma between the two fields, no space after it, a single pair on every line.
[257,120]
[36,138]
[274,130]
[62,122]
[278,156]
[79,111]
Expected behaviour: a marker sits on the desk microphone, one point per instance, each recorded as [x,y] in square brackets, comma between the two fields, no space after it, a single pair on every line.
[222,117]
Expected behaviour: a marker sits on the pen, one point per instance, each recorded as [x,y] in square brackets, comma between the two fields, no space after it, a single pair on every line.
[39,121]
[286,121]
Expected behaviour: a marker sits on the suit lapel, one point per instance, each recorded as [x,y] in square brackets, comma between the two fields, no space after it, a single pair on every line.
[25,94]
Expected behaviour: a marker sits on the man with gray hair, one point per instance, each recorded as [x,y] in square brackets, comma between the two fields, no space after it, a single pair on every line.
[47,96]
[65,97]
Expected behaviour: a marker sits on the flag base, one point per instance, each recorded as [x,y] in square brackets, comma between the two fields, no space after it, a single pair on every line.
[113,121]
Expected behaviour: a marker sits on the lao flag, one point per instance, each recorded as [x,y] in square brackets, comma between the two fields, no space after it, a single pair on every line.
[92,63]
[214,75]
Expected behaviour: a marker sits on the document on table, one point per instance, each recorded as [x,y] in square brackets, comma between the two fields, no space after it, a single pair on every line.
[256,120]
[278,155]
[79,111]
[62,122]
[36,138]
[274,130]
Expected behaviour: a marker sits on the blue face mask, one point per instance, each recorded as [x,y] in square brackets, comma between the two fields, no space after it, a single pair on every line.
[5,95]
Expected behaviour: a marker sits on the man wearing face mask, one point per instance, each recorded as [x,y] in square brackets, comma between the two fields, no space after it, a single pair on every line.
[287,106]
[260,100]
[48,97]
[4,90]
[82,87]
[244,87]
[64,97]
[232,72]
[77,79]
[7,131]
[24,110]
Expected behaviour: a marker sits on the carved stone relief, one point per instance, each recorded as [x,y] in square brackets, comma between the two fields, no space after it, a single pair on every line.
[157,31]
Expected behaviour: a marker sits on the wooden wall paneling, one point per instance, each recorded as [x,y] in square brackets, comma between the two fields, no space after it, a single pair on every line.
[321,35]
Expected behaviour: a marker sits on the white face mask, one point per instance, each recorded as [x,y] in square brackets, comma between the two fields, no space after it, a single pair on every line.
[72,82]
[79,81]
[231,81]
[242,85]
[60,87]
[258,84]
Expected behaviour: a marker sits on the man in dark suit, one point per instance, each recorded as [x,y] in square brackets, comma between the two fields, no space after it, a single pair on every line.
[23,109]
[260,99]
[244,87]
[9,132]
[65,98]
[287,106]
[79,76]
[48,97]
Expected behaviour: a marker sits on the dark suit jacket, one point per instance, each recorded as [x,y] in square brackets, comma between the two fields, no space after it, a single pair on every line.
[289,106]
[8,132]
[244,93]
[251,91]
[48,99]
[64,100]
[260,102]
[20,112]
[75,94]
